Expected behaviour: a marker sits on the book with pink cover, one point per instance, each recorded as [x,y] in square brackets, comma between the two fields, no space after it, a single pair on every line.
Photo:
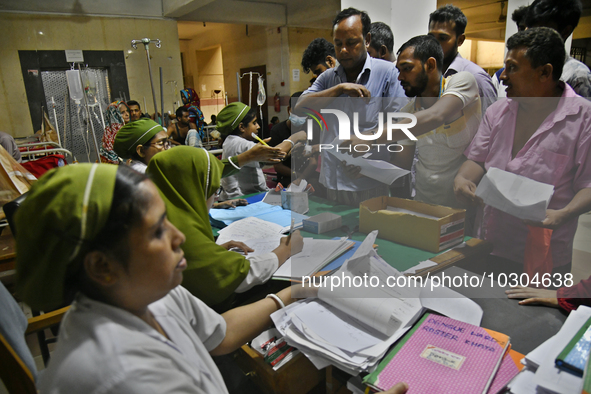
[442,355]
[507,371]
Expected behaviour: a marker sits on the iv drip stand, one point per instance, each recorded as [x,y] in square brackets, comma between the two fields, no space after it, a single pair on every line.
[96,147]
[146,42]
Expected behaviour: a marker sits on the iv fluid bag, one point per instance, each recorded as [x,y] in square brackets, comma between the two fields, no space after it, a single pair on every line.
[74,84]
[261,96]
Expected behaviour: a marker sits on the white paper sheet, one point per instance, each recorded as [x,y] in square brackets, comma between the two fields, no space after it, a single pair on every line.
[242,230]
[336,328]
[297,188]
[523,383]
[451,304]
[409,212]
[515,194]
[263,245]
[548,375]
[379,170]
[316,254]
[420,266]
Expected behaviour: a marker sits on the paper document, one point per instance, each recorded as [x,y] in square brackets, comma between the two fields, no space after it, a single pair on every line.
[379,170]
[515,194]
[315,255]
[248,228]
[297,188]
[409,212]
[548,375]
[352,327]
[422,265]
[263,245]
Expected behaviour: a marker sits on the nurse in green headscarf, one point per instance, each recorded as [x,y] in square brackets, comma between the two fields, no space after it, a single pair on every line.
[99,234]
[188,179]
[140,140]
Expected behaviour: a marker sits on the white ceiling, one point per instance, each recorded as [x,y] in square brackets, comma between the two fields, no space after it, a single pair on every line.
[484,16]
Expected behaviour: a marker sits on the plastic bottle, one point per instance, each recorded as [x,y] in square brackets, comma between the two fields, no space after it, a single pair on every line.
[74,84]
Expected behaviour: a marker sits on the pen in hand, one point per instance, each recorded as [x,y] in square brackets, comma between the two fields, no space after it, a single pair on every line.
[259,139]
[290,232]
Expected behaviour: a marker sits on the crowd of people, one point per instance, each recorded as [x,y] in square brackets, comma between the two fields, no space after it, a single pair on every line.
[119,241]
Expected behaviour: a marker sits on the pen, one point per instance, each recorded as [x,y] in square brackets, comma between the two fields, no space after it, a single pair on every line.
[290,231]
[259,139]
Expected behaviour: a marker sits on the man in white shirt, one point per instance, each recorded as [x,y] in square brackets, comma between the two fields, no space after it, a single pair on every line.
[448,115]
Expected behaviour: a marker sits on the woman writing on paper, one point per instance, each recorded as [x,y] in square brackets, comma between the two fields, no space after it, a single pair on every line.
[188,180]
[238,125]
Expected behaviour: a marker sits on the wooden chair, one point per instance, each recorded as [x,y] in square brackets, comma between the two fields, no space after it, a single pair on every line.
[15,374]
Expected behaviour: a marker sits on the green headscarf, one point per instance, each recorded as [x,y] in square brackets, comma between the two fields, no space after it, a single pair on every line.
[65,207]
[186,177]
[135,133]
[230,117]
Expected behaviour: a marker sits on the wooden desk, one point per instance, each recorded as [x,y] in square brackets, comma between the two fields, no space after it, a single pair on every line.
[7,258]
[7,250]
[299,375]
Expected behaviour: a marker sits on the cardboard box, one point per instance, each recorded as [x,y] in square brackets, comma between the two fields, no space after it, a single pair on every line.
[322,223]
[442,230]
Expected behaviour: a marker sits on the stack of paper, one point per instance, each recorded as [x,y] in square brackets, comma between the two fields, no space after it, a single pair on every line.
[541,374]
[353,327]
[316,254]
[515,194]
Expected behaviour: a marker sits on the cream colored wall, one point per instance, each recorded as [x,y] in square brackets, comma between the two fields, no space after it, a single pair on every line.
[299,39]
[21,32]
[262,46]
[210,69]
[487,54]
[490,54]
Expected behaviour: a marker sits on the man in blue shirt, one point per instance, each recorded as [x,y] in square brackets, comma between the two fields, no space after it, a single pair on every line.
[357,75]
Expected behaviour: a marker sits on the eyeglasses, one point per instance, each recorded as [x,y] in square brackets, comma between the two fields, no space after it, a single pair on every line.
[162,144]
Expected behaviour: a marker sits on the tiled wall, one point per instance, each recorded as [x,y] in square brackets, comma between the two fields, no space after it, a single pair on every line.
[42,32]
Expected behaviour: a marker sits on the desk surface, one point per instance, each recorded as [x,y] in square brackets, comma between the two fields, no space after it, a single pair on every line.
[527,326]
[399,256]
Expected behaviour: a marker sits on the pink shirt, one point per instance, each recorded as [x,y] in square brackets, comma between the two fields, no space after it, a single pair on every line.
[557,153]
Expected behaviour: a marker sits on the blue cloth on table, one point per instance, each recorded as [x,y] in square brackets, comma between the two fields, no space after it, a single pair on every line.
[231,215]
[256,198]
[262,210]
